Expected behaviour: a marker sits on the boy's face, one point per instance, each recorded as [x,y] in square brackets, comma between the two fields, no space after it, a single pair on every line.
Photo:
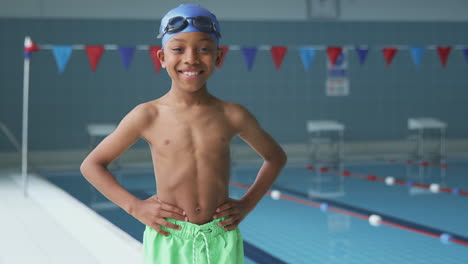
[190,59]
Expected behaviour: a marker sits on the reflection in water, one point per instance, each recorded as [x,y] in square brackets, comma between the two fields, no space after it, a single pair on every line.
[323,184]
[339,243]
[425,174]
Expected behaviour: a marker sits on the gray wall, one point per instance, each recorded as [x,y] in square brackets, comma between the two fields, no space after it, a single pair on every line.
[291,10]
[380,102]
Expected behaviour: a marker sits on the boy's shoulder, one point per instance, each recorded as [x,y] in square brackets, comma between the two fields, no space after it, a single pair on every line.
[232,108]
[236,112]
[147,109]
[144,112]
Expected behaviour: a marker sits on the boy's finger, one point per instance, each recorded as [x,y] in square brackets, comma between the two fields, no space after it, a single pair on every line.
[171,208]
[159,230]
[224,207]
[164,233]
[228,221]
[231,227]
[172,215]
[224,213]
[169,225]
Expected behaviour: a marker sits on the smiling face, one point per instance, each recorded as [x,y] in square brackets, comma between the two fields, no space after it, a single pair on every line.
[190,59]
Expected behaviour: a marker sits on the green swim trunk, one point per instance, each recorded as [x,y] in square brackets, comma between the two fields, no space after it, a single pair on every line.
[199,244]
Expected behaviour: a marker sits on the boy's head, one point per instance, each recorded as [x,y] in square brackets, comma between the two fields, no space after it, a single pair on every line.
[189,18]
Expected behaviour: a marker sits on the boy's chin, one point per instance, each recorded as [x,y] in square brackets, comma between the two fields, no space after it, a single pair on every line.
[192,88]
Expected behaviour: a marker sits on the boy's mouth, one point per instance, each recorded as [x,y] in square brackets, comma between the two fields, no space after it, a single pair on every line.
[191,74]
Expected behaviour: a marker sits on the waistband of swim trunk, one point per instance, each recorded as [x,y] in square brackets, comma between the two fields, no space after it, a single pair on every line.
[190,230]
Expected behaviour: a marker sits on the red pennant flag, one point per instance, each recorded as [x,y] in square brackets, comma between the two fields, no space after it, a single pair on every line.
[153,50]
[29,45]
[277,53]
[225,51]
[94,55]
[333,54]
[389,53]
[443,54]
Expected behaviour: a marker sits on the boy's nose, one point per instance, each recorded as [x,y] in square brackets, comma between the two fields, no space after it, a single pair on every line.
[191,57]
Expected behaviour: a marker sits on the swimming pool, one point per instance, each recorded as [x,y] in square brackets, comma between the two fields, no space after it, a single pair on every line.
[322,216]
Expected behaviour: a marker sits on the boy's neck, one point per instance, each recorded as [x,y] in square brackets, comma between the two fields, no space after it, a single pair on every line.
[179,97]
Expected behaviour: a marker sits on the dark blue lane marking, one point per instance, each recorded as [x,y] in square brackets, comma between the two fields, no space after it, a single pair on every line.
[260,256]
[363,211]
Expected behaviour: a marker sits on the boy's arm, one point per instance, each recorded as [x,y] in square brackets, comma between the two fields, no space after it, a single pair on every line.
[273,155]
[94,169]
[274,160]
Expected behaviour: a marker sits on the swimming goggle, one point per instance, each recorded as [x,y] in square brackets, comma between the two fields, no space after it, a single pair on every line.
[179,23]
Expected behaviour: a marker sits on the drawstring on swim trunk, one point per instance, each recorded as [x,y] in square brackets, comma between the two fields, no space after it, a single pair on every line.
[201,232]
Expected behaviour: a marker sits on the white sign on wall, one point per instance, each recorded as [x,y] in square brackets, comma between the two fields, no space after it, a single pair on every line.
[337,83]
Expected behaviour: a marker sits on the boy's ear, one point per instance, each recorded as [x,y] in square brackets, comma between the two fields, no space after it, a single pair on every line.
[219,57]
[160,55]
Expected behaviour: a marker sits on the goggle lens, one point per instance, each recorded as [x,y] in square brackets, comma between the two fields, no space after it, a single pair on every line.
[176,23]
[203,23]
[179,23]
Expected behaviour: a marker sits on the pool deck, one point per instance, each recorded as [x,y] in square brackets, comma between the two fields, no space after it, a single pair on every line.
[51,227]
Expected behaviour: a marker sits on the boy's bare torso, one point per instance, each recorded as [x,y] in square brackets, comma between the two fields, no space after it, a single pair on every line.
[191,156]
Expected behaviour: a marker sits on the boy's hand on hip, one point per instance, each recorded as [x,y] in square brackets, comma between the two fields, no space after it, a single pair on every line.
[152,212]
[237,210]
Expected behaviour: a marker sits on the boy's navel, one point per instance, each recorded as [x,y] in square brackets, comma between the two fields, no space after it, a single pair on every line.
[167,141]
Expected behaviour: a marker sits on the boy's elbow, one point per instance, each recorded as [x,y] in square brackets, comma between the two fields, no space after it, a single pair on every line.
[283,158]
[83,167]
[91,164]
[279,158]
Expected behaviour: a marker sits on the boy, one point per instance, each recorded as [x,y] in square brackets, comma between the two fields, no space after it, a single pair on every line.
[192,219]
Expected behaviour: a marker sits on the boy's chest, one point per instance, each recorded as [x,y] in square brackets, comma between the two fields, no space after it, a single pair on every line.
[191,133]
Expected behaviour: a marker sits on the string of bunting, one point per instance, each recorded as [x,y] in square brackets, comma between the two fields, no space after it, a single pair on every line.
[62,53]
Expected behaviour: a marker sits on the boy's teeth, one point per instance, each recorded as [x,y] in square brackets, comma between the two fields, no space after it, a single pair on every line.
[190,73]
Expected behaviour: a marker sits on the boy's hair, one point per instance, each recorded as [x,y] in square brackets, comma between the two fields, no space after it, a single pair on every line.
[188,14]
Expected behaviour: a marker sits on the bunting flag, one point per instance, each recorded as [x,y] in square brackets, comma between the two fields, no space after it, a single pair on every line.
[29,46]
[94,55]
[249,54]
[225,51]
[153,50]
[277,53]
[443,54]
[389,53]
[62,56]
[126,53]
[416,55]
[333,54]
[362,54]
[307,56]
[465,52]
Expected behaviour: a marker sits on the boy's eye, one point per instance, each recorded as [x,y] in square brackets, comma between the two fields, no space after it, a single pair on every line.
[177,49]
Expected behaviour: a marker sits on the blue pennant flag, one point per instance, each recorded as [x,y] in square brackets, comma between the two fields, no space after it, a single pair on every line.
[307,56]
[249,56]
[416,54]
[126,53]
[465,52]
[62,55]
[362,54]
